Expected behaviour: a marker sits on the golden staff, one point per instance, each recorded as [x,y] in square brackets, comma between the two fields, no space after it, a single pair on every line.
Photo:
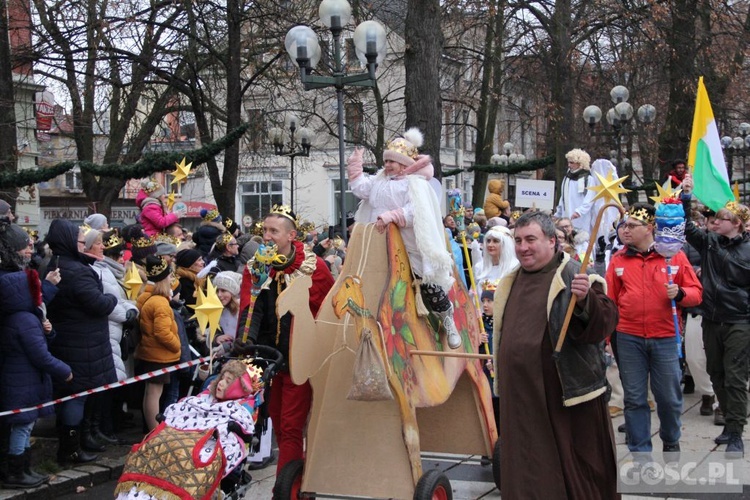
[609,190]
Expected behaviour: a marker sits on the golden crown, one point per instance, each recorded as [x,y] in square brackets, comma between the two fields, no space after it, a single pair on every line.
[515,215]
[285,211]
[211,215]
[85,228]
[167,238]
[304,229]
[641,214]
[404,147]
[143,242]
[489,286]
[113,241]
[228,222]
[740,211]
[225,239]
[31,232]
[157,269]
[257,228]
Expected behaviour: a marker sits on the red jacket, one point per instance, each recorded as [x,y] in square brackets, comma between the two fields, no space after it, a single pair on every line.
[635,281]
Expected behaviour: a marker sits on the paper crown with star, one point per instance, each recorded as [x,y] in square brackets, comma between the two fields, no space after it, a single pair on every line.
[286,212]
[404,150]
[211,215]
[113,241]
[223,240]
[644,214]
[143,242]
[157,268]
[304,229]
[741,211]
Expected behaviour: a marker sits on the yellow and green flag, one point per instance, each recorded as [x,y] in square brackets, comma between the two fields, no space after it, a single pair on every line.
[706,158]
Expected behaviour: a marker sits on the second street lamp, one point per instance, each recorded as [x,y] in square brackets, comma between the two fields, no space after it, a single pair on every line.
[619,119]
[288,146]
[304,49]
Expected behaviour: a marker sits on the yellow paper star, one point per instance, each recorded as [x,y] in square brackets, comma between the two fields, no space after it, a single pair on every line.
[170,201]
[199,315]
[664,192]
[181,171]
[210,308]
[132,281]
[609,188]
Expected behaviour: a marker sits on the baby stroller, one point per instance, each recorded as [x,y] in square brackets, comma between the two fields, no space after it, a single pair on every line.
[199,448]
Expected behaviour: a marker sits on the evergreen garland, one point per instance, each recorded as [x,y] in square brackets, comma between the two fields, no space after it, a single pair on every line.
[513,168]
[149,164]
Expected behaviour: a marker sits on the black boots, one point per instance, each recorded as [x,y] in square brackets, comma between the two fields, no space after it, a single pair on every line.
[29,471]
[17,478]
[88,436]
[69,450]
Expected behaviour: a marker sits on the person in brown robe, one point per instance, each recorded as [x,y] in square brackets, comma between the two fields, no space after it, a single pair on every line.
[556,438]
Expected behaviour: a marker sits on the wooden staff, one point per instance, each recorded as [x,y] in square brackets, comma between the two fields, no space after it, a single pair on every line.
[445,354]
[584,264]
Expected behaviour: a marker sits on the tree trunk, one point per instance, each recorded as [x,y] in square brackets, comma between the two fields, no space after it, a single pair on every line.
[8,139]
[424,47]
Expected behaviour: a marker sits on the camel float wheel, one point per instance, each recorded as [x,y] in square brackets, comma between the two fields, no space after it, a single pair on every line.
[433,485]
[496,464]
[289,482]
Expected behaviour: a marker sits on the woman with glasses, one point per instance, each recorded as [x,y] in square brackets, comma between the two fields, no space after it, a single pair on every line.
[224,256]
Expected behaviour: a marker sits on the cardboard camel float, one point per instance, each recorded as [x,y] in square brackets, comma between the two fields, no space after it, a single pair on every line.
[442,403]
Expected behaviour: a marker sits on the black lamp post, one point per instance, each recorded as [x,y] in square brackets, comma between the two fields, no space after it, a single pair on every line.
[288,146]
[302,46]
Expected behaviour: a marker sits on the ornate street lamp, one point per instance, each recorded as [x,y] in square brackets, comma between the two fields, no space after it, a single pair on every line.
[284,145]
[738,147]
[619,119]
[304,49]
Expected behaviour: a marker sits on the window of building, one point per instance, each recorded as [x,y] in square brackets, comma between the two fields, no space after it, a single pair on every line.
[255,134]
[447,128]
[354,115]
[73,181]
[259,196]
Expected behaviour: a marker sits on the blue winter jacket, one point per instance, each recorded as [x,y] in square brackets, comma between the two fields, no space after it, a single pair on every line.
[26,365]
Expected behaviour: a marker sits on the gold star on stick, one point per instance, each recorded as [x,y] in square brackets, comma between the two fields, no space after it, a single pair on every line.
[170,201]
[181,171]
[199,314]
[132,282]
[664,192]
[209,310]
[609,188]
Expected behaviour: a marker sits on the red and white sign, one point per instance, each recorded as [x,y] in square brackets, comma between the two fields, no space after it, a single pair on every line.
[193,208]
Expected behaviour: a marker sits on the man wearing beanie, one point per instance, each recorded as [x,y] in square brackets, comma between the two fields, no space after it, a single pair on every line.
[396,194]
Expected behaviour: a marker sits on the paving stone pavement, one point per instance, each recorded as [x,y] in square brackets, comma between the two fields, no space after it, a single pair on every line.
[470,480]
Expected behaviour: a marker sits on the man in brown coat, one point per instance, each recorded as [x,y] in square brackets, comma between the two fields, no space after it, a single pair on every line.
[555,432]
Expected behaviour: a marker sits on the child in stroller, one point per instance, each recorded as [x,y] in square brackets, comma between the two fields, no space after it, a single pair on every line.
[200,443]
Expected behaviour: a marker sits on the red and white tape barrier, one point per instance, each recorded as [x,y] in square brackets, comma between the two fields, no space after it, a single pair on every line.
[131,380]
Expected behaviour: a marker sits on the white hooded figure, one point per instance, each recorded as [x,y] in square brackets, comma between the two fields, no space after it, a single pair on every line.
[497,258]
[604,168]
[574,190]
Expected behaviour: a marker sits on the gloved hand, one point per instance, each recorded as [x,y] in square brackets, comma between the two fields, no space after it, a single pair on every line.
[601,247]
[131,317]
[354,163]
[239,347]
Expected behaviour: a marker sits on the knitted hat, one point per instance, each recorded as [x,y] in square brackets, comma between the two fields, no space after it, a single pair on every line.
[90,238]
[164,248]
[186,258]
[404,150]
[152,187]
[13,237]
[4,208]
[157,268]
[95,221]
[231,226]
[229,281]
[212,215]
[112,242]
